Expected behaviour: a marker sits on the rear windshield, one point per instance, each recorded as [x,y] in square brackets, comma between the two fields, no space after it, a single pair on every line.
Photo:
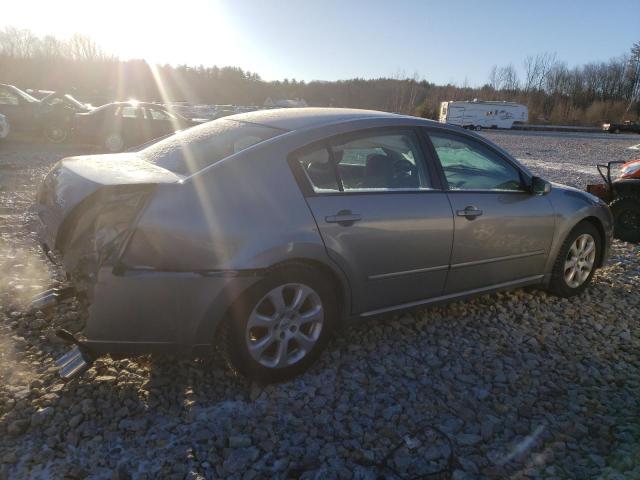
[191,150]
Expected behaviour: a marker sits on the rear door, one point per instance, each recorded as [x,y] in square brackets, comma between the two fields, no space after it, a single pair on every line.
[503,232]
[132,125]
[381,215]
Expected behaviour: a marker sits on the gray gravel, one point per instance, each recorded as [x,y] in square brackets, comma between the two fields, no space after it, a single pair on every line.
[518,385]
[568,158]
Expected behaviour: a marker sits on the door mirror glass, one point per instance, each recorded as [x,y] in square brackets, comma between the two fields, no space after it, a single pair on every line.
[540,186]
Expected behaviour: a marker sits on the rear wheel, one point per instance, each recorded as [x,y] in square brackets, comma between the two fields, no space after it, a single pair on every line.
[576,261]
[279,327]
[626,215]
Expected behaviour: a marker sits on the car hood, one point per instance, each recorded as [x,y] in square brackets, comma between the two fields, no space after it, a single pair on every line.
[72,181]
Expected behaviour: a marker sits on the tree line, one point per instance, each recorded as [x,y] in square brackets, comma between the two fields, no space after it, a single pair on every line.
[554,93]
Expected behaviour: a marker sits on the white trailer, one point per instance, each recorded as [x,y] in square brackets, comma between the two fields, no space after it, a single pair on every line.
[478,114]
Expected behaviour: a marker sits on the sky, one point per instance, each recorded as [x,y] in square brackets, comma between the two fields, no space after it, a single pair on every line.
[439,41]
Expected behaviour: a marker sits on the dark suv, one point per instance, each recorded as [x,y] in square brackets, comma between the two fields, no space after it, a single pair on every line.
[23,111]
[627,126]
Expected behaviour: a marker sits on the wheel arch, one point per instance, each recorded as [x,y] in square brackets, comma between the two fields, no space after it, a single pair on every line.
[210,326]
[340,284]
[597,223]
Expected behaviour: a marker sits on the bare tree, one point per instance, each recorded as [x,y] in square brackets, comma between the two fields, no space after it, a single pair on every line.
[508,78]
[493,78]
[536,70]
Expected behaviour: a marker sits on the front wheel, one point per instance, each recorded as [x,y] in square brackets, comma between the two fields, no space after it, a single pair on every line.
[576,261]
[56,133]
[113,142]
[279,327]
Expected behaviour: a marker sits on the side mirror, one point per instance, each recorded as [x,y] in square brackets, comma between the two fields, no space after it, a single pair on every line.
[540,186]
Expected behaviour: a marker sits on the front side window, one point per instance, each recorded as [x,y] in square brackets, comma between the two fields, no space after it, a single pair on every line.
[159,115]
[379,162]
[468,165]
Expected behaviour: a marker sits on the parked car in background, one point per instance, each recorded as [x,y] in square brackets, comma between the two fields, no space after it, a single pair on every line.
[476,114]
[23,111]
[626,126]
[60,114]
[264,231]
[4,127]
[120,125]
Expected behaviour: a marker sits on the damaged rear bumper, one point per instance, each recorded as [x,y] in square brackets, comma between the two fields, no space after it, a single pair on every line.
[140,312]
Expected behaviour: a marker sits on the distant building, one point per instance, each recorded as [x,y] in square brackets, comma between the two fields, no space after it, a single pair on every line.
[285,103]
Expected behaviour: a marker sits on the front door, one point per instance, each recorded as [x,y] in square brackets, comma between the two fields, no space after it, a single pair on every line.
[19,112]
[131,125]
[380,218]
[161,122]
[502,232]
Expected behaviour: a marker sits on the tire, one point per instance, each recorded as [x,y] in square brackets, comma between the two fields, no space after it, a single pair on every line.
[626,217]
[562,283]
[56,134]
[478,127]
[6,131]
[616,130]
[261,342]
[113,142]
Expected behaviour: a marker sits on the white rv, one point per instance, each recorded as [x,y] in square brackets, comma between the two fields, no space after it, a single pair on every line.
[477,114]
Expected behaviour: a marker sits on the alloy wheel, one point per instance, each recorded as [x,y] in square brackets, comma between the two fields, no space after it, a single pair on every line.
[114,142]
[580,260]
[285,325]
[56,134]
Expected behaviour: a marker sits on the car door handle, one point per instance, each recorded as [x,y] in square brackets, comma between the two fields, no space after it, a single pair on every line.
[343,217]
[470,212]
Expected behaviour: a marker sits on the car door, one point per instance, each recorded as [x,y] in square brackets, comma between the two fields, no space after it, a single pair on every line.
[161,122]
[131,124]
[13,107]
[503,232]
[381,217]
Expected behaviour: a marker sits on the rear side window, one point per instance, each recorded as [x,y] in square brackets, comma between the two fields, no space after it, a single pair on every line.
[191,150]
[366,162]
[380,162]
[468,165]
[130,112]
[319,170]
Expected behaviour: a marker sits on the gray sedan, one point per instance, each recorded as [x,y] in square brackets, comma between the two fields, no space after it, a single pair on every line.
[261,233]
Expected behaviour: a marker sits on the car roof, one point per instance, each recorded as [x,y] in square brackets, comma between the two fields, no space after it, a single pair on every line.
[299,118]
[135,103]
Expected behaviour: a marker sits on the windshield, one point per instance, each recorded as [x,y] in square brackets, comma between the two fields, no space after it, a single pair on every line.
[74,102]
[26,96]
[191,150]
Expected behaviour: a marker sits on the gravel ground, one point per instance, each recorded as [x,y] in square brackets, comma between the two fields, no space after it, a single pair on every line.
[514,385]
